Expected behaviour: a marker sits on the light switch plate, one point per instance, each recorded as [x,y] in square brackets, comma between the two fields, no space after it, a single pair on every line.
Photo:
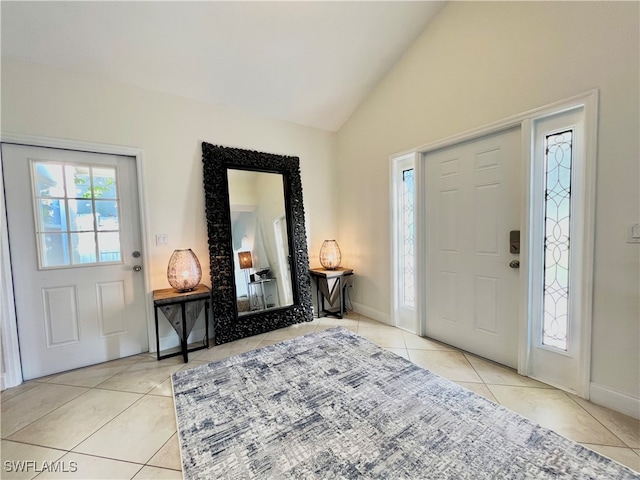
[633,233]
[162,239]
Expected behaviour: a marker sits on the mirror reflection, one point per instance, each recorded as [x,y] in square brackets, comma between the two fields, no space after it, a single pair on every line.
[259,241]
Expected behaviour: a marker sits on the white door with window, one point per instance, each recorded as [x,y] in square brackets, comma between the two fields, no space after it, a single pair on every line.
[75,241]
[473,201]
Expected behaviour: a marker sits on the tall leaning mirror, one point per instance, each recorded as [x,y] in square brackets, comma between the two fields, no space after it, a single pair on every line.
[260,243]
[257,242]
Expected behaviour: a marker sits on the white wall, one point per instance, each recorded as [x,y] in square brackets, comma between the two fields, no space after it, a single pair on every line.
[481,62]
[44,101]
[39,100]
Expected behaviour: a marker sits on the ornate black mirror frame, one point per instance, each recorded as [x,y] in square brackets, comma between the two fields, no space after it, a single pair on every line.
[227,326]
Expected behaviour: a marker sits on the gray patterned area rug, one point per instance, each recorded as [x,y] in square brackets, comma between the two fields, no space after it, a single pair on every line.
[333,405]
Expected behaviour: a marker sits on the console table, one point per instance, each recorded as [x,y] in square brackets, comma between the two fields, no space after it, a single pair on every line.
[182,310]
[331,286]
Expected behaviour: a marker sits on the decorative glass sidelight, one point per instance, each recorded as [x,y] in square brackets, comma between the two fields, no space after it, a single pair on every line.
[408,235]
[77,214]
[557,205]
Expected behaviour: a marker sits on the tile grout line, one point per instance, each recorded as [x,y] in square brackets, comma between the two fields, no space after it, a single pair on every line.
[67,452]
[143,395]
[51,382]
[549,387]
[51,411]
[139,470]
[107,458]
[61,405]
[598,421]
[104,425]
[22,442]
[162,446]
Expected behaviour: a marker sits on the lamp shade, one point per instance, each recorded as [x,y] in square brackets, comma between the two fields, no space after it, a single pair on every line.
[184,272]
[330,255]
[245,260]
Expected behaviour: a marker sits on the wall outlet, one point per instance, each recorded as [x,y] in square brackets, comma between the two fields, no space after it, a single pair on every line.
[633,233]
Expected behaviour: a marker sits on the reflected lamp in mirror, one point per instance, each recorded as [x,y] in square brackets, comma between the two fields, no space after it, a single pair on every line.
[330,255]
[245,260]
[184,272]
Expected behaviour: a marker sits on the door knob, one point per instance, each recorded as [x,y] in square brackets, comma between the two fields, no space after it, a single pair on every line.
[137,268]
[514,263]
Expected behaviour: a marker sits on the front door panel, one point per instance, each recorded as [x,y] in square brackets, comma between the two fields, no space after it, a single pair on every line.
[73,227]
[473,202]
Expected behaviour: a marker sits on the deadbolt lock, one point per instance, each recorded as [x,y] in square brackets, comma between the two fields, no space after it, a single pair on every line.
[514,241]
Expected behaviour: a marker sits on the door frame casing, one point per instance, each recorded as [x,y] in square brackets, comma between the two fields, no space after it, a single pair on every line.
[11,374]
[525,121]
[9,325]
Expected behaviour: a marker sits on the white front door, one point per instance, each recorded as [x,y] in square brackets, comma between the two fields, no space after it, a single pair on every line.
[74,235]
[473,201]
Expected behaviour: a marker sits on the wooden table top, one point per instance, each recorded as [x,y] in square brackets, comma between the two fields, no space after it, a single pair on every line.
[338,272]
[166,294]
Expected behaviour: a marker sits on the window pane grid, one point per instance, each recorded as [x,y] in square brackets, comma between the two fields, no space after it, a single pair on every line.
[558,160]
[77,221]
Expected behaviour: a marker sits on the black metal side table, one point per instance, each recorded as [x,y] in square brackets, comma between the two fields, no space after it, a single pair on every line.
[182,310]
[332,292]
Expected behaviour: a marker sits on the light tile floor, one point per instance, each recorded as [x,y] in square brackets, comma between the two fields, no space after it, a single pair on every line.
[116,420]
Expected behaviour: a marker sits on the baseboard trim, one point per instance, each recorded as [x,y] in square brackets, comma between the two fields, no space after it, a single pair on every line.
[618,401]
[372,313]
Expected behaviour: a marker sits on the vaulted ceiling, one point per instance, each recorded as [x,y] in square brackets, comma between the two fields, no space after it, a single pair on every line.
[310,63]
